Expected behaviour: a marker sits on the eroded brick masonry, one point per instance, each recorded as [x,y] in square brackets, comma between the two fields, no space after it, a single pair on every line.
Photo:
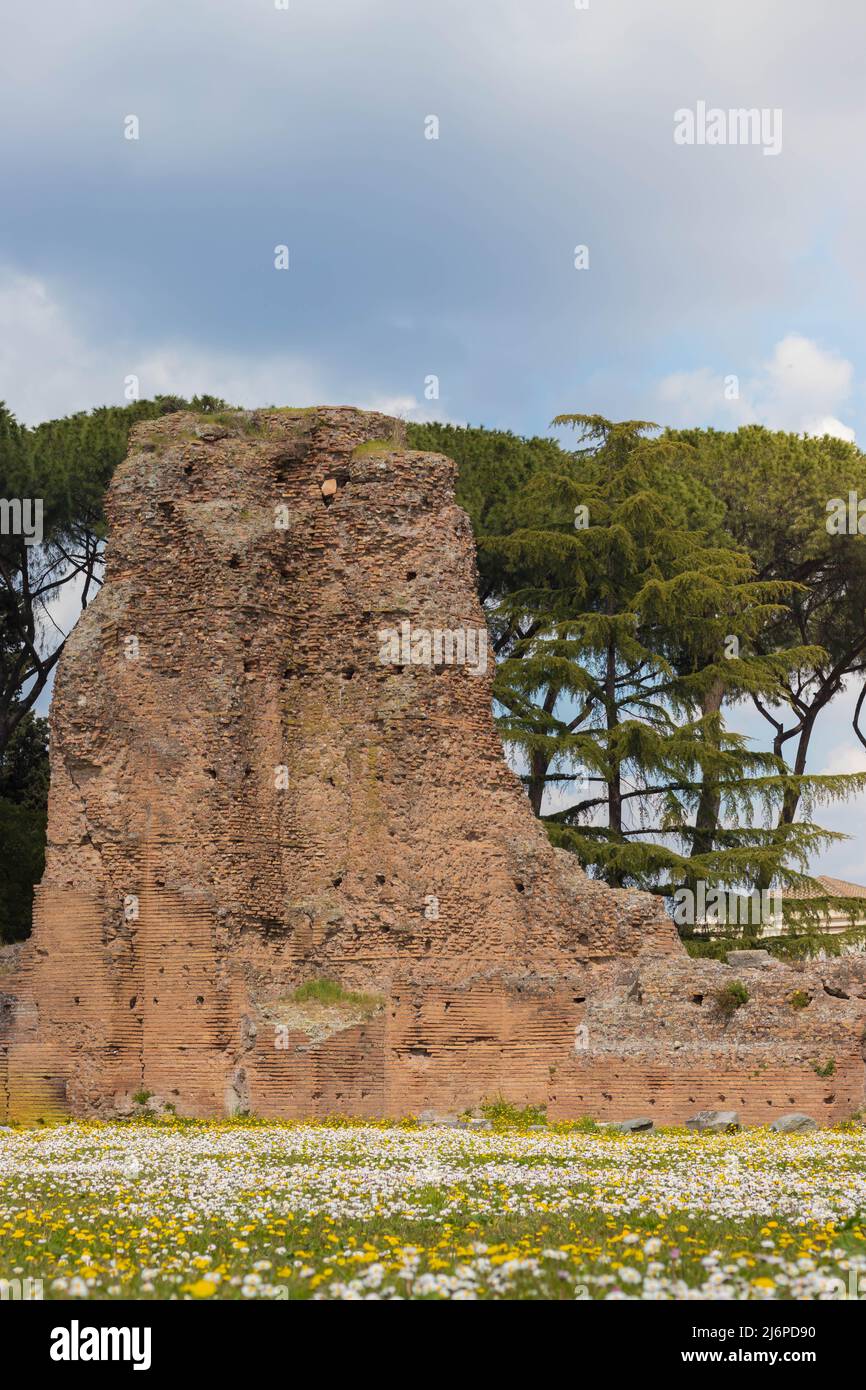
[273,762]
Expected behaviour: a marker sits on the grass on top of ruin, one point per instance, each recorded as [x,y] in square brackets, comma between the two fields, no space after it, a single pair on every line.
[170,1208]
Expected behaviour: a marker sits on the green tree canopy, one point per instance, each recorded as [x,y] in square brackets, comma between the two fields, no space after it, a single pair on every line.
[630,617]
[775,489]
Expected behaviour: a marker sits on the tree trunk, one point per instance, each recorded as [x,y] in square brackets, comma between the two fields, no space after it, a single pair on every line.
[707,814]
[614,779]
[538,765]
[791,799]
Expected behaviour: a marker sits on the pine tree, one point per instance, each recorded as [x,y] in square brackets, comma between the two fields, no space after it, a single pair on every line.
[634,620]
[776,490]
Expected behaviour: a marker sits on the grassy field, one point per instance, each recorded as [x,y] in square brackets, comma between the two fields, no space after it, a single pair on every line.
[174,1209]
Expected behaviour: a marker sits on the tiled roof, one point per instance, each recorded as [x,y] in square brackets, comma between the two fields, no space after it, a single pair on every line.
[833,888]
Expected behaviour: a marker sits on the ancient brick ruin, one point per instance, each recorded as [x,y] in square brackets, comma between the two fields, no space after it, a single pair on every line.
[273,762]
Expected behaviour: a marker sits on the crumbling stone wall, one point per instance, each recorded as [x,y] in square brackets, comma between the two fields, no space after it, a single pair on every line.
[261,777]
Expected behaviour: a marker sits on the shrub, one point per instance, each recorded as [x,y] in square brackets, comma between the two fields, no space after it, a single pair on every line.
[730,998]
[504,1114]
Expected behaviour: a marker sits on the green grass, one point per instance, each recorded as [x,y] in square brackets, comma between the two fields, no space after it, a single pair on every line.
[376,446]
[329,992]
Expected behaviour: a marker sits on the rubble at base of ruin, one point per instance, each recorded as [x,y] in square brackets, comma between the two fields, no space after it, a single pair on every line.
[252,789]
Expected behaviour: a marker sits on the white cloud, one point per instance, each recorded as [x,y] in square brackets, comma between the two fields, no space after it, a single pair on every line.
[49,367]
[829,425]
[844,758]
[802,382]
[409,408]
[800,388]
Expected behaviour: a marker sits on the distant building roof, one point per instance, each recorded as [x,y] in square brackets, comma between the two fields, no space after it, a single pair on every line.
[833,888]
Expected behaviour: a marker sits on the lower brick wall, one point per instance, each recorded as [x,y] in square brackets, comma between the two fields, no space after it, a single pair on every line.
[616,1088]
[613,1041]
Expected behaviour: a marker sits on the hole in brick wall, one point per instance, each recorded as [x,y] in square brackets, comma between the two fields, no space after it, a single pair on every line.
[199,999]
[579,999]
[348,673]
[211,771]
[428,942]
[380,878]
[697,999]
[336,882]
[133,1001]
[521,887]
[413,574]
[234,563]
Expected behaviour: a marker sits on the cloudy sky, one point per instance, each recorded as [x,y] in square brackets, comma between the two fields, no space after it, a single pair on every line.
[411,257]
